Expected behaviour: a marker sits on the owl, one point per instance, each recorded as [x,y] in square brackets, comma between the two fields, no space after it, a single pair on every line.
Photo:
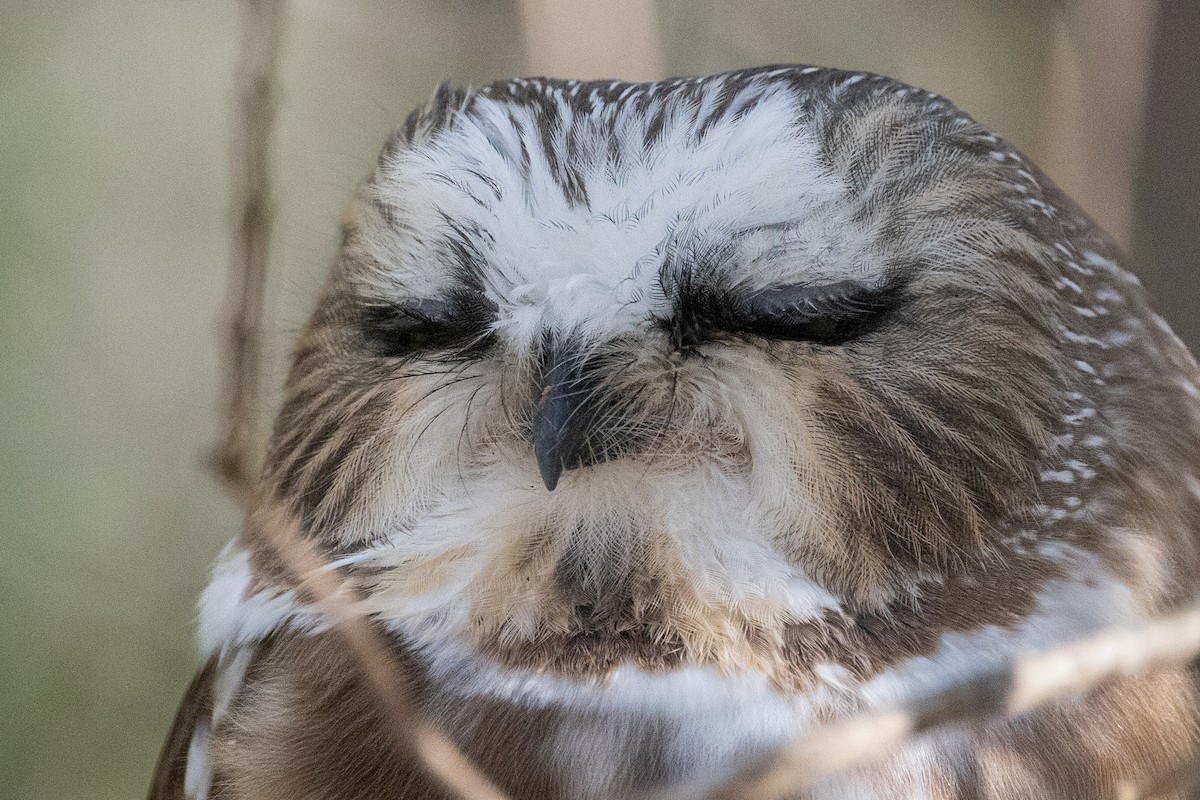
[654,425]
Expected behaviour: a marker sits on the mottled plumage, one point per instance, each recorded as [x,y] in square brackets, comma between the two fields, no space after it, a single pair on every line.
[657,424]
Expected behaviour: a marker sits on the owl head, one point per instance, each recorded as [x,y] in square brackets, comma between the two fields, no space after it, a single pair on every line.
[611,356]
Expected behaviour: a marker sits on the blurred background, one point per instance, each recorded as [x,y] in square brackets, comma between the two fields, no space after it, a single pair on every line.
[116,211]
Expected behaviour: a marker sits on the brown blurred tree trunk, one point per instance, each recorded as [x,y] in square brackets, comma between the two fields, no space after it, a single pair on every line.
[1167,231]
[592,39]
[1093,120]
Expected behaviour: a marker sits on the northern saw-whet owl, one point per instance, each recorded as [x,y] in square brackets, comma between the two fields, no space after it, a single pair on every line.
[657,424]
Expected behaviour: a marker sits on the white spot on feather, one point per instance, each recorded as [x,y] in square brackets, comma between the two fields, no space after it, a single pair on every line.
[1079,416]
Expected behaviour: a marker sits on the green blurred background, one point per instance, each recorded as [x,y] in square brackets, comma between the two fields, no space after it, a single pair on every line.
[114,239]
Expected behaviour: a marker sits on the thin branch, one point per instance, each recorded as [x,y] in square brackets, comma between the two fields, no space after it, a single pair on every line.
[411,735]
[250,162]
[1023,686]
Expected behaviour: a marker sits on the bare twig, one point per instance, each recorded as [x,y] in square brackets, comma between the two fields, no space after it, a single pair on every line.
[424,744]
[1023,686]
[250,152]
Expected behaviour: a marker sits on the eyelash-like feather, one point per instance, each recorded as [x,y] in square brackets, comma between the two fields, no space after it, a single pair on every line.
[396,331]
[830,314]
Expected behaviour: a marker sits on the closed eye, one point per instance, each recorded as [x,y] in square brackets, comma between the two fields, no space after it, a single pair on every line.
[421,326]
[828,314]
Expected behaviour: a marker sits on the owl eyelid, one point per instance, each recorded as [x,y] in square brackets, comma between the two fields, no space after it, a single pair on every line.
[828,314]
[415,326]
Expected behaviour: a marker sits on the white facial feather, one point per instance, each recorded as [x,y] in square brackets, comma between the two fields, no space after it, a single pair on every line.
[754,188]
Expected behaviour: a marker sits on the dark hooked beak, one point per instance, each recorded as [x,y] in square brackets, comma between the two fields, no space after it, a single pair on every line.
[563,414]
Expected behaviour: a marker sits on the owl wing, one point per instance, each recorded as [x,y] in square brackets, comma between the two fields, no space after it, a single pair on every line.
[172,780]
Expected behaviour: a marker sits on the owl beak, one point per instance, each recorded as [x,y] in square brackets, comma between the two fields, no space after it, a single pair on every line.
[560,427]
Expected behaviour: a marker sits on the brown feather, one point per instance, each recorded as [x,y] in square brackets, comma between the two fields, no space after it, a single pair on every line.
[197,705]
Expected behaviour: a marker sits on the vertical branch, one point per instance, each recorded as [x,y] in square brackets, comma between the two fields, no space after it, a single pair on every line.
[250,162]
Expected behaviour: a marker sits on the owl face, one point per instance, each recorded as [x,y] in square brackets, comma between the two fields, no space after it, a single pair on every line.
[656,424]
[623,355]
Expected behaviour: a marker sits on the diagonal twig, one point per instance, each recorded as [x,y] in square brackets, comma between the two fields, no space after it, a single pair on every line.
[427,746]
[1024,685]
